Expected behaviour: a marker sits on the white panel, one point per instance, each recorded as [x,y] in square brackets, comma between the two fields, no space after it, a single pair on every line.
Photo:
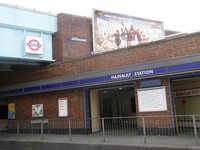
[34,45]
[152,99]
[63,107]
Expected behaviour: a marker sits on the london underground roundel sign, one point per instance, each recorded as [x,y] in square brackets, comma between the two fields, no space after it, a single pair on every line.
[34,45]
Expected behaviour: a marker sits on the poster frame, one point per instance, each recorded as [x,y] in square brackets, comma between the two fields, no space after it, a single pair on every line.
[63,107]
[123,17]
[11,111]
[148,99]
[37,110]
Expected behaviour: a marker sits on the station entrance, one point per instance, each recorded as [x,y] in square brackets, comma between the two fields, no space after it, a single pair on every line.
[3,115]
[107,102]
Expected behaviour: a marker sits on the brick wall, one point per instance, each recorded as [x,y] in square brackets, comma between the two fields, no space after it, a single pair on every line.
[50,104]
[154,120]
[164,82]
[72,26]
[75,58]
[65,49]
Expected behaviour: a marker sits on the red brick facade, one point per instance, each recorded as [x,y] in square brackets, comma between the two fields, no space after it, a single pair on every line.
[160,50]
[155,122]
[74,58]
[164,83]
[72,26]
[49,100]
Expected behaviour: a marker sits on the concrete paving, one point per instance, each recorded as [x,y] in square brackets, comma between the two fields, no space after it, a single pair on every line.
[96,142]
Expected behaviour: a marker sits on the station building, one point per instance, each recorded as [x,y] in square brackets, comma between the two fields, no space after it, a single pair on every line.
[155,78]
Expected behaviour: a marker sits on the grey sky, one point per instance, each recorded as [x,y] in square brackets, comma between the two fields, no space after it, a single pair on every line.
[179,15]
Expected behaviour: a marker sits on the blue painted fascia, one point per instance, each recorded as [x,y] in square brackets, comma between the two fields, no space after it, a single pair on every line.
[103,79]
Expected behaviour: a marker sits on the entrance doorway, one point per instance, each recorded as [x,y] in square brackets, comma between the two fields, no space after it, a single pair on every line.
[187,103]
[3,115]
[187,96]
[116,101]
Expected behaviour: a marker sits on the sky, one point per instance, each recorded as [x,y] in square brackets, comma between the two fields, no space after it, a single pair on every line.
[177,15]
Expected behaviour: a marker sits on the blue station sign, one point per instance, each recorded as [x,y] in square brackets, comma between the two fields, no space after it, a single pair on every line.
[102,79]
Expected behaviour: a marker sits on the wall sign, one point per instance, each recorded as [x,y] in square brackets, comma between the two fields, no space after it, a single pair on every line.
[136,74]
[11,110]
[185,93]
[37,110]
[152,99]
[77,39]
[120,76]
[34,45]
[63,107]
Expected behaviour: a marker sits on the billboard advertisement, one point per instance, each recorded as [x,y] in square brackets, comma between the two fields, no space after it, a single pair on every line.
[112,31]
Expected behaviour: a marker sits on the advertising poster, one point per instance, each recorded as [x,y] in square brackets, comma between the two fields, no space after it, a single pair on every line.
[113,31]
[63,107]
[11,110]
[37,110]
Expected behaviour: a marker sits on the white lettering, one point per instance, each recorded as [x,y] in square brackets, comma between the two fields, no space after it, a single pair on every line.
[105,26]
[144,72]
[120,76]
[78,39]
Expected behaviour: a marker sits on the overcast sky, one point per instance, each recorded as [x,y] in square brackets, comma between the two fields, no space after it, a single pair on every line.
[178,15]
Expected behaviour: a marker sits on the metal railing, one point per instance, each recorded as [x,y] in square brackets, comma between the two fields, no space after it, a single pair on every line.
[173,130]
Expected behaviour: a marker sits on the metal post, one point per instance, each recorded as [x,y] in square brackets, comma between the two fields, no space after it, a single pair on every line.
[144,130]
[195,128]
[42,130]
[18,129]
[31,128]
[70,130]
[103,130]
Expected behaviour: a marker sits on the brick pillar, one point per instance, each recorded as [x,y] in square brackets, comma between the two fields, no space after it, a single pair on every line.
[156,122]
